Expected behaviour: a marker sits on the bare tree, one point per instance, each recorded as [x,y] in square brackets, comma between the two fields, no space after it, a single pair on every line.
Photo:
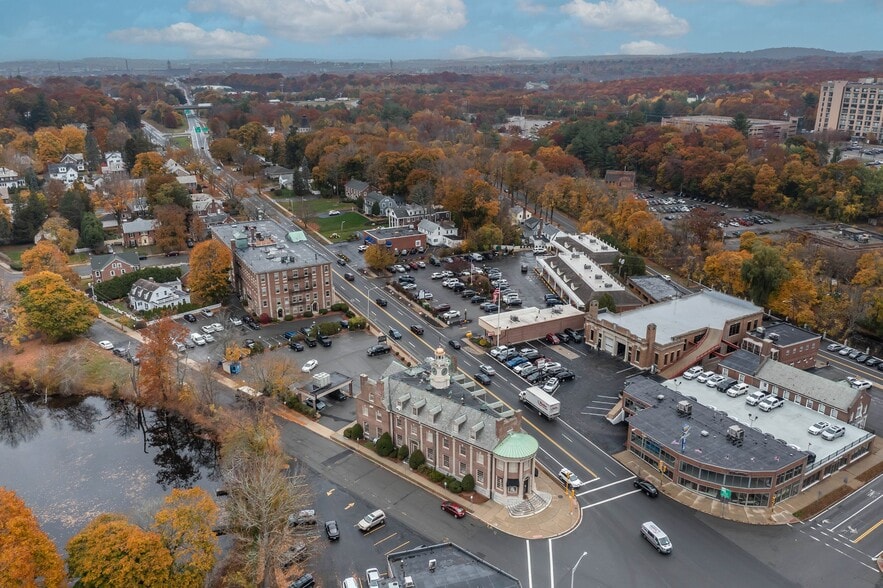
[272,374]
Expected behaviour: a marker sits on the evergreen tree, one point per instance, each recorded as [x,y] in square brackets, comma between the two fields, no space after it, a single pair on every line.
[91,231]
[93,153]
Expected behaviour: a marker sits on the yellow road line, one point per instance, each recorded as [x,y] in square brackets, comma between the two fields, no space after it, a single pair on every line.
[868,532]
[384,539]
[397,547]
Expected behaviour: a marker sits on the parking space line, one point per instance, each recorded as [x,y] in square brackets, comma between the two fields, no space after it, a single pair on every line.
[385,539]
[397,547]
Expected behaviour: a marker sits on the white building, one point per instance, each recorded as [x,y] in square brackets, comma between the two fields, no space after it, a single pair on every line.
[10,178]
[148,295]
[439,233]
[63,172]
[113,163]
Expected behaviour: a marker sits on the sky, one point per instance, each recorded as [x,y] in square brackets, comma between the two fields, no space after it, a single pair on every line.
[427,29]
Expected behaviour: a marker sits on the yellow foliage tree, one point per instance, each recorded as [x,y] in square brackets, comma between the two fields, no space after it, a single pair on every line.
[64,235]
[723,271]
[48,305]
[378,257]
[158,374]
[147,164]
[73,138]
[185,524]
[45,256]
[210,272]
[50,147]
[797,297]
[27,555]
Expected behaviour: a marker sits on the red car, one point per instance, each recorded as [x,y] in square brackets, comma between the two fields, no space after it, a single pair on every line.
[455,509]
[553,339]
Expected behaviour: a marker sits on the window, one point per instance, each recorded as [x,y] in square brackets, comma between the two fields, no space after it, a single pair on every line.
[499,482]
[429,435]
[734,329]
[479,458]
[462,468]
[378,415]
[398,440]
[399,420]
[430,455]
[446,442]
[371,397]
[479,476]
[364,411]
[446,461]
[462,449]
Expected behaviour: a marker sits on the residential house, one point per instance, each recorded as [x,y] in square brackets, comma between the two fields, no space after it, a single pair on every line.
[76,160]
[519,214]
[188,181]
[62,172]
[146,295]
[114,265]
[433,408]
[384,203]
[140,232]
[205,204]
[531,228]
[408,215]
[623,180]
[173,167]
[10,179]
[113,163]
[283,175]
[355,189]
[440,233]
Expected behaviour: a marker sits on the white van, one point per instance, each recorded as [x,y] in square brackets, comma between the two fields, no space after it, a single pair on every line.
[197,338]
[656,537]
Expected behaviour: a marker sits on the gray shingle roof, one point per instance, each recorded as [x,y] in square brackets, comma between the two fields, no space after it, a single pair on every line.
[99,262]
[840,394]
[139,225]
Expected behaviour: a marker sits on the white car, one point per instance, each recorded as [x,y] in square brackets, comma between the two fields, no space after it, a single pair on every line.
[363,248]
[835,347]
[436,276]
[197,338]
[372,575]
[860,384]
[310,366]
[714,380]
[692,372]
[754,398]
[105,345]
[845,351]
[333,213]
[703,377]
[737,390]
[409,286]
[236,320]
[209,338]
[218,327]
[496,351]
[487,369]
[817,428]
[207,313]
[208,329]
[569,479]
[770,402]
[551,385]
[833,432]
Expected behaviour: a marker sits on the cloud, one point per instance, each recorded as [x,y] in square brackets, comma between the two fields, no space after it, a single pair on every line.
[202,43]
[313,20]
[645,48]
[530,7]
[516,50]
[644,17]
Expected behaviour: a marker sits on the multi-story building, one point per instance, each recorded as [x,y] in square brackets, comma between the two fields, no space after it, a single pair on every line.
[149,295]
[761,128]
[434,408]
[275,271]
[852,107]
[140,232]
[10,178]
[785,343]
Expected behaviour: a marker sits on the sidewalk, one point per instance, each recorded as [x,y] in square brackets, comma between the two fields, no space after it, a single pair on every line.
[781,514]
[562,515]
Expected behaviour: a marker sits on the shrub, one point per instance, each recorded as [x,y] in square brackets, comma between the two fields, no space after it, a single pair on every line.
[340,307]
[455,487]
[289,317]
[416,460]
[294,403]
[348,433]
[308,314]
[264,318]
[384,445]
[329,328]
[468,483]
[258,347]
[350,314]
[403,453]
[450,479]
[323,311]
[436,476]
[358,323]
[358,432]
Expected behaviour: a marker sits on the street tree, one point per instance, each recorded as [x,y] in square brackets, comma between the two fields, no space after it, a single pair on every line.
[764,272]
[58,230]
[171,230]
[147,164]
[185,523]
[27,555]
[210,263]
[378,257]
[49,306]
[45,256]
[111,551]
[158,376]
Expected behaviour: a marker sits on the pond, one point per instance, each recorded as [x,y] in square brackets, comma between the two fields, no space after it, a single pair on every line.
[74,458]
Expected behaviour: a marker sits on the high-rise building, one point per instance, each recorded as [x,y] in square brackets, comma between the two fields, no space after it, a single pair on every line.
[852,107]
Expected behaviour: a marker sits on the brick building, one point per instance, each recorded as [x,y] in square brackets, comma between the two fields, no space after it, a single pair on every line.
[397,238]
[275,271]
[107,267]
[785,343]
[140,232]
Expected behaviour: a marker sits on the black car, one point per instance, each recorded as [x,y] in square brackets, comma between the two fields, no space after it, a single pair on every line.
[380,349]
[478,299]
[536,376]
[305,581]
[341,261]
[296,346]
[254,326]
[454,343]
[331,530]
[565,376]
[395,334]
[310,342]
[337,395]
[530,354]
[172,254]
[458,287]
[119,351]
[575,335]
[646,487]
[417,329]
[467,293]
[349,277]
[324,340]
[483,378]
[381,302]
[564,336]
[189,318]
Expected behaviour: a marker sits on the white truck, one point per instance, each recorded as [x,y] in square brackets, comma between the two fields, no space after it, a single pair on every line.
[544,403]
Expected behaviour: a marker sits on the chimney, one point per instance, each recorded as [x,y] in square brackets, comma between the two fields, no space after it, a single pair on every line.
[593,309]
[651,338]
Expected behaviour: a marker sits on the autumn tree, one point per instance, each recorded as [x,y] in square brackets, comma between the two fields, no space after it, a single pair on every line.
[210,263]
[111,551]
[764,272]
[45,256]
[378,257]
[485,238]
[49,306]
[147,164]
[171,230]
[50,147]
[58,230]
[185,523]
[796,297]
[27,555]
[272,374]
[723,271]
[158,377]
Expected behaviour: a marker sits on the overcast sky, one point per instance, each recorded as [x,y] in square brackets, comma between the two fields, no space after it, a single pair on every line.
[407,29]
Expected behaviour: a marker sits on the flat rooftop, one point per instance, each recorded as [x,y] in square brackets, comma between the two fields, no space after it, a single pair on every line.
[454,568]
[589,245]
[787,333]
[527,315]
[266,246]
[390,232]
[703,310]
[656,287]
[789,422]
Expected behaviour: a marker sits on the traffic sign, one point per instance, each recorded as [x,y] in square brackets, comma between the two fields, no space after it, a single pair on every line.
[726,493]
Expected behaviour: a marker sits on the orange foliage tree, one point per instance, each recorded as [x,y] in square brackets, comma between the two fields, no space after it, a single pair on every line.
[45,256]
[27,555]
[158,376]
[209,272]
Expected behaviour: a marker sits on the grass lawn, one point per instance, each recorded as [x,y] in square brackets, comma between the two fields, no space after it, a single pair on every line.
[350,221]
[14,252]
[181,142]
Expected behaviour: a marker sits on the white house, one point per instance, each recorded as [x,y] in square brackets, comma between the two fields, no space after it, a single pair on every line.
[76,160]
[148,295]
[10,178]
[443,233]
[63,172]
[113,163]
[173,167]
[188,181]
[407,215]
[520,214]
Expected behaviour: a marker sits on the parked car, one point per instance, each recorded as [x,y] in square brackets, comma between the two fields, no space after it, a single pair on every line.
[529,353]
[703,377]
[207,313]
[833,432]
[551,385]
[305,581]
[738,390]
[372,577]
[309,366]
[817,428]
[457,511]
[646,487]
[105,345]
[692,372]
[331,530]
[379,349]
[569,479]
[496,351]
[552,339]
[288,335]
[563,337]
[770,402]
[305,517]
[715,380]
[189,318]
[576,336]
[565,376]
[754,398]
[835,347]
[372,521]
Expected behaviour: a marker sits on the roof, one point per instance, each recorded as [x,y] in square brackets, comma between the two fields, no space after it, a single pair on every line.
[99,262]
[454,568]
[392,232]
[145,289]
[139,225]
[357,185]
[840,394]
[787,334]
[655,287]
[266,246]
[274,171]
[664,424]
[594,247]
[703,310]
[517,446]
[189,179]
[742,361]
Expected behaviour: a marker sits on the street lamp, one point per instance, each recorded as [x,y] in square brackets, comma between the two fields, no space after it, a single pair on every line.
[573,571]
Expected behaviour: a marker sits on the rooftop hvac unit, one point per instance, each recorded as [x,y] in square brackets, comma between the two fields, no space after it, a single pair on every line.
[608,285]
[735,433]
[598,276]
[685,408]
[774,336]
[586,266]
[321,379]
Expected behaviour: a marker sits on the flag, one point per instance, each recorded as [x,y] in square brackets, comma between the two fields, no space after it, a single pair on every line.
[496,294]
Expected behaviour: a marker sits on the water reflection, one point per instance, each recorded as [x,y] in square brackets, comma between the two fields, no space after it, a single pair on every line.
[73,458]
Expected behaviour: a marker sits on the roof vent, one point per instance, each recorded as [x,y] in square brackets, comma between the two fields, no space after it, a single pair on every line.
[685,408]
[660,397]
[704,433]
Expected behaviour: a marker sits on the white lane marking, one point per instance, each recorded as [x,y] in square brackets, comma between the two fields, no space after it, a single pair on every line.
[609,499]
[834,528]
[829,508]
[551,567]
[612,397]
[529,572]
[566,437]
[606,485]
[600,451]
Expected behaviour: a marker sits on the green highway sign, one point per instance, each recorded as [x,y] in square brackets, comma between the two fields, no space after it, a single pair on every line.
[726,493]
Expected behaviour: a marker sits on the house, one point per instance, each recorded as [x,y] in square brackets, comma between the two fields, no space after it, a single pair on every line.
[395,239]
[519,214]
[439,233]
[549,232]
[113,163]
[139,232]
[173,167]
[355,189]
[188,181]
[62,172]
[10,179]
[76,160]
[531,228]
[205,204]
[114,265]
[624,180]
[283,175]
[431,408]
[408,215]
[384,203]
[146,295]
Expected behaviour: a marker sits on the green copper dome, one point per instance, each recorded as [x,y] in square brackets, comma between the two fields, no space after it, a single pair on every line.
[517,446]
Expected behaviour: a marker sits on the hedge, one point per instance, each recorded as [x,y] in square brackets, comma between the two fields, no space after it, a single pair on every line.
[119,287]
